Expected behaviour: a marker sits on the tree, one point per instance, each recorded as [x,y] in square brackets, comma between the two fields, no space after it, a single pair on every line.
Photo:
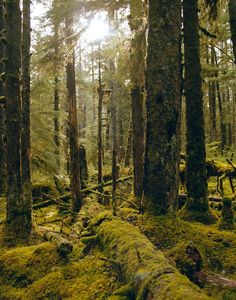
[56,84]
[197,207]
[73,122]
[161,167]
[25,134]
[137,61]
[232,20]
[2,113]
[18,212]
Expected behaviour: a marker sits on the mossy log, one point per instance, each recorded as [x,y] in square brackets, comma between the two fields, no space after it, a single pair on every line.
[148,271]
[64,247]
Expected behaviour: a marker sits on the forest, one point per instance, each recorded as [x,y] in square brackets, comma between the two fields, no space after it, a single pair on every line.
[117,149]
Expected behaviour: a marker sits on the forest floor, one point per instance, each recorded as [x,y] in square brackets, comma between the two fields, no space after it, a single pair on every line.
[39,272]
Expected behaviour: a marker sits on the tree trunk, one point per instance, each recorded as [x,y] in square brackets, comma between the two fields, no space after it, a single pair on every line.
[127,159]
[114,87]
[17,218]
[2,115]
[146,269]
[56,101]
[100,99]
[25,134]
[232,20]
[73,122]
[137,62]
[161,169]
[197,207]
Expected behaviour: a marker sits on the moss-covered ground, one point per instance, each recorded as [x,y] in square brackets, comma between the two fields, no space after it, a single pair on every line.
[38,272]
[217,247]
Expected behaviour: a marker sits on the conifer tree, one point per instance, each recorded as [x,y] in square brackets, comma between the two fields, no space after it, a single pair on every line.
[161,168]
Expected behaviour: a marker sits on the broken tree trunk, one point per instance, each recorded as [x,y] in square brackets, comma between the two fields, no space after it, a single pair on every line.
[150,274]
[64,247]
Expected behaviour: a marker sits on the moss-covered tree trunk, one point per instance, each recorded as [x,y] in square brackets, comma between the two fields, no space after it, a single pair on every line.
[137,62]
[2,114]
[196,176]
[25,134]
[161,168]
[73,121]
[232,20]
[148,272]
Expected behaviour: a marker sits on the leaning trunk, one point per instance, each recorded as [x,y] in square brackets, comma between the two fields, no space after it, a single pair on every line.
[161,168]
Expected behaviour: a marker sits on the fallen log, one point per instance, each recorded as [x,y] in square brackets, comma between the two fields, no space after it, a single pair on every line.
[213,279]
[64,247]
[150,274]
[93,188]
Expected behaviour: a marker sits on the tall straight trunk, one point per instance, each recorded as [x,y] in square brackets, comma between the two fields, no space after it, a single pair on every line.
[25,134]
[100,99]
[234,118]
[73,121]
[232,20]
[93,83]
[161,168]
[56,101]
[137,62]
[221,112]
[127,159]
[15,210]
[197,205]
[212,101]
[56,121]
[114,89]
[2,115]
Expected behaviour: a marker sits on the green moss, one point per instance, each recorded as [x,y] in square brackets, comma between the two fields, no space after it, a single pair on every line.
[21,266]
[204,216]
[227,214]
[89,239]
[171,235]
[80,279]
[140,262]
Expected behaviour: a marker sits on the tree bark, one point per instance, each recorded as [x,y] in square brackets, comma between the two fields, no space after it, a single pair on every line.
[196,176]
[17,218]
[232,20]
[73,122]
[2,114]
[161,168]
[25,133]
[137,62]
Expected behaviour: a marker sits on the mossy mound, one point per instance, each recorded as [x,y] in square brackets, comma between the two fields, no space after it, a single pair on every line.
[170,234]
[37,272]
[217,248]
[22,266]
